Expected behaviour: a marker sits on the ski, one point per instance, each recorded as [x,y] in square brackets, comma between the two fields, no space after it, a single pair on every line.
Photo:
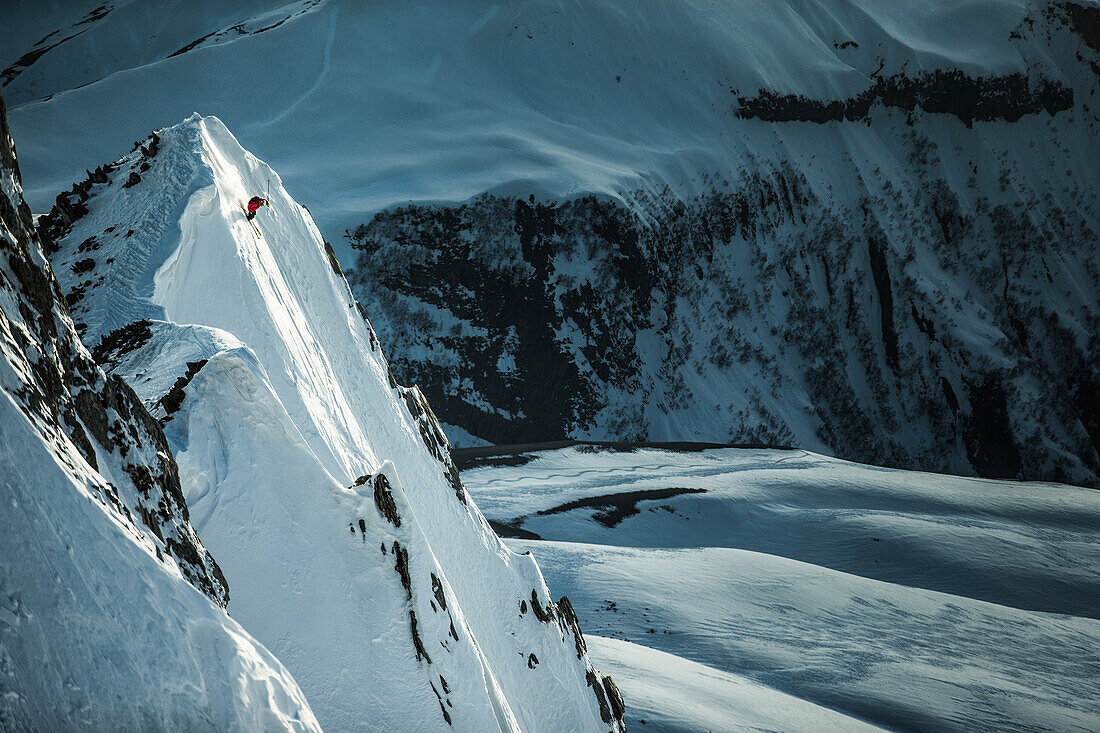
[251,223]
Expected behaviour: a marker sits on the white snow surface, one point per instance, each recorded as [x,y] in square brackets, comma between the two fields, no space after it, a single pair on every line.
[99,628]
[97,633]
[673,695]
[390,102]
[907,600]
[281,439]
[387,103]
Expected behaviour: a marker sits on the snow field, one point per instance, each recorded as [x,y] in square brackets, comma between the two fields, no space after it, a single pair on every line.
[397,102]
[910,601]
[673,695]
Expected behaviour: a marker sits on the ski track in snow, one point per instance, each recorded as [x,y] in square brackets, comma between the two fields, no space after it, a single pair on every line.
[326,64]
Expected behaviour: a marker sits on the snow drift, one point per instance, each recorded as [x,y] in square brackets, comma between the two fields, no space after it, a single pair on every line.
[103,619]
[327,489]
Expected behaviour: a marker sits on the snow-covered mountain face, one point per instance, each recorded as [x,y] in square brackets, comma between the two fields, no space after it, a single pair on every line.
[354,552]
[865,228]
[112,608]
[900,270]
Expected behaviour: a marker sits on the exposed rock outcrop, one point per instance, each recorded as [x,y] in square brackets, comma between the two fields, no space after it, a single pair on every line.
[64,392]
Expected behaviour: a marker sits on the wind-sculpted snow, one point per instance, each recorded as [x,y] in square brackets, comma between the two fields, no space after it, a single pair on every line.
[103,621]
[520,96]
[61,389]
[326,487]
[777,582]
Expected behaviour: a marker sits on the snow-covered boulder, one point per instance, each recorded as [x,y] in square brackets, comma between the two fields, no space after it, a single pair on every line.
[325,488]
[111,608]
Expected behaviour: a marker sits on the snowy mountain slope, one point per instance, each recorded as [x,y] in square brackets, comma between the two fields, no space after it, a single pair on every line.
[354,551]
[113,637]
[670,694]
[903,273]
[863,228]
[1025,545]
[103,621]
[901,658]
[452,102]
[913,601]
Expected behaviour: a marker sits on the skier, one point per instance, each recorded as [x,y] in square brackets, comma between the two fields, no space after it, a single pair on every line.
[254,204]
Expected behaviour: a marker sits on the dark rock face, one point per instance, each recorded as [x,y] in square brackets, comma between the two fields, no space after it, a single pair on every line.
[601,697]
[172,401]
[988,434]
[876,250]
[418,644]
[545,615]
[437,591]
[1007,98]
[538,356]
[516,299]
[439,698]
[614,508]
[332,261]
[401,565]
[614,698]
[570,622]
[66,396]
[608,698]
[70,207]
[383,499]
[1083,20]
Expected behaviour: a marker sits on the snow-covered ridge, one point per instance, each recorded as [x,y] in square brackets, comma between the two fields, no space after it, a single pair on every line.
[352,547]
[103,621]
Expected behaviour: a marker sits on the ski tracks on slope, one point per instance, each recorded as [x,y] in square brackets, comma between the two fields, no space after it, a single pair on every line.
[330,40]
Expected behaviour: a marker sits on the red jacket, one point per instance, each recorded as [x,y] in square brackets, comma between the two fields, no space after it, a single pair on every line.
[255,203]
